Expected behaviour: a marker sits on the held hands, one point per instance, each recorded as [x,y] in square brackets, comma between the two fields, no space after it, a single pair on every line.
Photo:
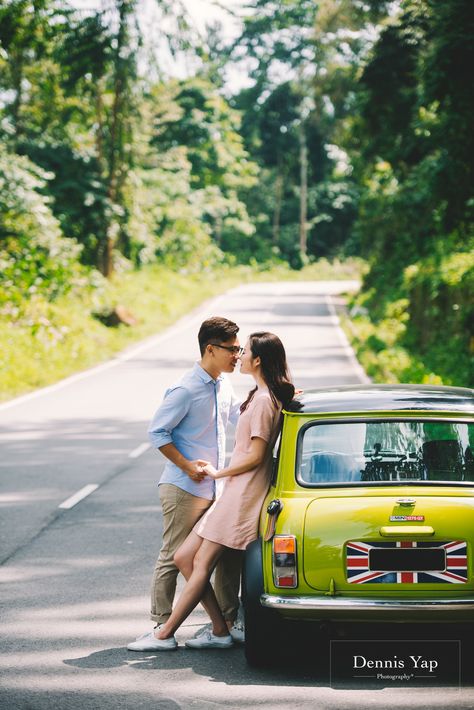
[195,469]
[211,471]
[198,470]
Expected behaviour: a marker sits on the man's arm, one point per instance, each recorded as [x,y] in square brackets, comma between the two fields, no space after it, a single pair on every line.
[172,411]
[194,469]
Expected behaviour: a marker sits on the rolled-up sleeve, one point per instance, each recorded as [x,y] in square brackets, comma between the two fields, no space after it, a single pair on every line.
[261,423]
[172,411]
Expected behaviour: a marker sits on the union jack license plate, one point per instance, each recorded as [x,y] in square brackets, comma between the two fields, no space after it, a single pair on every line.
[405,562]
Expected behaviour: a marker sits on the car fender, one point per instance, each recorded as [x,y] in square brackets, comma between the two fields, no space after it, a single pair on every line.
[252,587]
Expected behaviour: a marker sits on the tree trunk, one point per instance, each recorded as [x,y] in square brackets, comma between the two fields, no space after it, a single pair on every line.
[117,169]
[115,137]
[303,190]
[99,134]
[279,182]
[17,79]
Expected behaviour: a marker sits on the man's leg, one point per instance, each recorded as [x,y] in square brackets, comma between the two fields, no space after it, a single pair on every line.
[227,583]
[181,511]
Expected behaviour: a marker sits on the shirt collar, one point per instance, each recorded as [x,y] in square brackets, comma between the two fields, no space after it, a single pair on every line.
[203,375]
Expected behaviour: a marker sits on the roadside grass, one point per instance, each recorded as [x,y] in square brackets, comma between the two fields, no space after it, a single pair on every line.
[52,340]
[378,349]
[388,363]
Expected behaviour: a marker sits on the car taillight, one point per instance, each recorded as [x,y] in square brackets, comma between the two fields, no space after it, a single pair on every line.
[284,561]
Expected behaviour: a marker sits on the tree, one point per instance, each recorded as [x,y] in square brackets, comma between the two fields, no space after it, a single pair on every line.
[79,76]
[317,48]
[35,259]
[206,127]
[414,131]
[278,150]
[30,75]
[101,63]
[415,221]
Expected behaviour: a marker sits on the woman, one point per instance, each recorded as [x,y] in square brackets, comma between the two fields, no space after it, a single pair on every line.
[232,519]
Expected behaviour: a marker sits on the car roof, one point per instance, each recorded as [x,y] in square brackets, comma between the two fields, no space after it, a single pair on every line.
[384,398]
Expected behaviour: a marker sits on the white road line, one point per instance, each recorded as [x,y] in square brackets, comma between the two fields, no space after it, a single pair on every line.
[362,375]
[87,490]
[139,450]
[77,497]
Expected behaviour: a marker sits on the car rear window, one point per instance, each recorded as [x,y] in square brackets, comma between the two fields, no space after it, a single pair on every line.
[386,451]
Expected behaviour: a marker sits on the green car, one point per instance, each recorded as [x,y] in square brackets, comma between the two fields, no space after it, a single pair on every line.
[370,513]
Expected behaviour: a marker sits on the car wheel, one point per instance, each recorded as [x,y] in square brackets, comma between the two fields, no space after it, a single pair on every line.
[262,636]
[262,626]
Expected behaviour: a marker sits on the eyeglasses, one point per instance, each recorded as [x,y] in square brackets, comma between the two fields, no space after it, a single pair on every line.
[234,349]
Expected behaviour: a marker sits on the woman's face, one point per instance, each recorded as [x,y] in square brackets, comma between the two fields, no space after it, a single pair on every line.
[248,364]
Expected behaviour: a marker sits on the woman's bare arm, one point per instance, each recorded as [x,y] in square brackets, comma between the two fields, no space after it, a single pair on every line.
[254,458]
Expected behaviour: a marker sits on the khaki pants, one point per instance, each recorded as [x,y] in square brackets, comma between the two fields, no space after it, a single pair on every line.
[181,510]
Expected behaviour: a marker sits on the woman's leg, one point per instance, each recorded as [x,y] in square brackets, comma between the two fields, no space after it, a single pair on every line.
[181,510]
[184,560]
[208,599]
[186,552]
[198,588]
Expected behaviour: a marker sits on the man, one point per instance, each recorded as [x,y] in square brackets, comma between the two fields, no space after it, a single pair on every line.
[189,430]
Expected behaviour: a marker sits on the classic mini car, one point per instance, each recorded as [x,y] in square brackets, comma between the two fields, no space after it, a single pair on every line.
[370,513]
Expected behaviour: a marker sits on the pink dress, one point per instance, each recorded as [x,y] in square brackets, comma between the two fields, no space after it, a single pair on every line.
[232,520]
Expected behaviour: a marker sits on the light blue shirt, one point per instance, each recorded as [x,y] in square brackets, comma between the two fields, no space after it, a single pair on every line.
[193,416]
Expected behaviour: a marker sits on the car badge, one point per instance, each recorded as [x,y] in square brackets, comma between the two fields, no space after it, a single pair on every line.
[406,518]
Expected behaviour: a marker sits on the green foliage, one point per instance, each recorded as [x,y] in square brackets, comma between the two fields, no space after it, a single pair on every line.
[426,335]
[55,339]
[441,313]
[35,260]
[448,88]
[84,51]
[197,124]
[355,137]
[266,38]
[415,217]
[334,206]
[416,109]
[77,191]
[305,59]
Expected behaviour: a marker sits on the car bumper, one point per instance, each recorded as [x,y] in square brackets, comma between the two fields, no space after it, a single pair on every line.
[343,607]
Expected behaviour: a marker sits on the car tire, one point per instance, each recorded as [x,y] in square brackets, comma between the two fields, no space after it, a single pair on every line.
[262,637]
[262,626]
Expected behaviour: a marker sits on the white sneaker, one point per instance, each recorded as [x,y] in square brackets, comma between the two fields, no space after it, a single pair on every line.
[149,642]
[237,631]
[202,630]
[208,640]
[142,636]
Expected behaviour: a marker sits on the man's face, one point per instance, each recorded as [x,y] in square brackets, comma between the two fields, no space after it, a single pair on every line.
[225,354]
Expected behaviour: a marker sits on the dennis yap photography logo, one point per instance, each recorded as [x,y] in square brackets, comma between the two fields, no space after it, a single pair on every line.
[417,663]
[401,663]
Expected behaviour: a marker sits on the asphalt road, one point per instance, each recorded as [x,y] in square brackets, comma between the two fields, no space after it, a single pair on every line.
[75,579]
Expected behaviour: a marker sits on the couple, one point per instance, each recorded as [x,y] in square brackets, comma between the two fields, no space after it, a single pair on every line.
[189,429]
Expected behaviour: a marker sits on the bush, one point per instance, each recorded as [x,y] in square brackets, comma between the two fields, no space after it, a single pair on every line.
[35,259]
[425,335]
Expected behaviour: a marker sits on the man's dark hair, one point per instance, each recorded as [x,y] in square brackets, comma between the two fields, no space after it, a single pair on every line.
[216,329]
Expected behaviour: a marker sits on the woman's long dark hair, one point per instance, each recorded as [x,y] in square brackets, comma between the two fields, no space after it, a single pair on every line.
[274,369]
